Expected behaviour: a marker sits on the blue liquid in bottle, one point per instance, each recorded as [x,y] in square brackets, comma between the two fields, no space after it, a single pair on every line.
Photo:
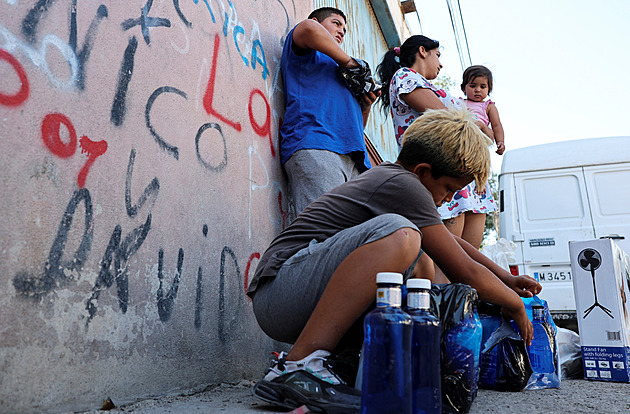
[386,383]
[460,370]
[426,381]
[540,353]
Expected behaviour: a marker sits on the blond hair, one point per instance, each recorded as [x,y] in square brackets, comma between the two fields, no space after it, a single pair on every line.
[450,142]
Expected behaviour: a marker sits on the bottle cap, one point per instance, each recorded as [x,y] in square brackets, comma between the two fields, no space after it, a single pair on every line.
[389,277]
[418,284]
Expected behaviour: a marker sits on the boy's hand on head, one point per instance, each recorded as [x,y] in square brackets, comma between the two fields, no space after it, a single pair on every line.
[525,286]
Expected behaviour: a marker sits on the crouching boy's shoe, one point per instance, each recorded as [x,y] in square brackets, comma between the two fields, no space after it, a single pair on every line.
[309,382]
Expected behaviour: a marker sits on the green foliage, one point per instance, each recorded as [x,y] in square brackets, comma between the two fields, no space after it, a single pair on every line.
[491,230]
[444,82]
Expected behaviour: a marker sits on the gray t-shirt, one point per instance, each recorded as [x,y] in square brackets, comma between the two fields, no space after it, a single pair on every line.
[387,188]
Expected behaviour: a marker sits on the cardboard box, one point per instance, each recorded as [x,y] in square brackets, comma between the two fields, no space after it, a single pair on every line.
[601,279]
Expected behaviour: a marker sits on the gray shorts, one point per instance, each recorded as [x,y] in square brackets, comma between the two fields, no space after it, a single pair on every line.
[282,305]
[312,173]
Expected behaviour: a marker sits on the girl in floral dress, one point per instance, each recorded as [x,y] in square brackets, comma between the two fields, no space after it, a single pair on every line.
[408,70]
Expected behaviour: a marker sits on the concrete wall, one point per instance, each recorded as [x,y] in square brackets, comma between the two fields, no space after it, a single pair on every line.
[140,183]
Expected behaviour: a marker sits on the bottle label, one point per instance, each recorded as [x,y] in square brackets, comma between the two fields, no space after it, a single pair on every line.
[418,300]
[386,296]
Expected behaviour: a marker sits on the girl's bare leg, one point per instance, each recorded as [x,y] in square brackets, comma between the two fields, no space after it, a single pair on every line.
[474,224]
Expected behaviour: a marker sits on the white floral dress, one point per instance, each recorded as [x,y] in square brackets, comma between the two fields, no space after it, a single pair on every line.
[406,80]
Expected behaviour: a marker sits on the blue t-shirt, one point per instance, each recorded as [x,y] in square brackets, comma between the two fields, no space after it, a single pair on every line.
[321,112]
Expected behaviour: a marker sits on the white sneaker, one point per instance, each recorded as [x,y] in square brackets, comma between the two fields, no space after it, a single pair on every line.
[315,363]
[309,382]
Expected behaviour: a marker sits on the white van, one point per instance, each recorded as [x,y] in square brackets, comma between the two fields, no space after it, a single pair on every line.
[554,193]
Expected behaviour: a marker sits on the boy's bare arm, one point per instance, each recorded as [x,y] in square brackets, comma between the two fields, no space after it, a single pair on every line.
[523,285]
[309,34]
[366,104]
[458,266]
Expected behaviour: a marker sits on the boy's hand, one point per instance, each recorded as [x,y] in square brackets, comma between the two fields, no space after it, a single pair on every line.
[525,286]
[368,99]
[359,78]
[522,321]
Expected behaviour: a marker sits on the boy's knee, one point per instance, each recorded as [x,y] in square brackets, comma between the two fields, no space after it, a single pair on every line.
[408,240]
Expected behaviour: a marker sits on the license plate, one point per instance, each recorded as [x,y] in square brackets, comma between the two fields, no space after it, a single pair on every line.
[553,276]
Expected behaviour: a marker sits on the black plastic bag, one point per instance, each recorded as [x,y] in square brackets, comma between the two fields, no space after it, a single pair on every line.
[455,305]
[504,362]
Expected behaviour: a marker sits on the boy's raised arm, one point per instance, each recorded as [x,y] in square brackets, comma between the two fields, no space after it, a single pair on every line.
[459,266]
[309,34]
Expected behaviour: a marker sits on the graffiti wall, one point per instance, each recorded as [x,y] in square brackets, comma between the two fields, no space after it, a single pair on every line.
[140,183]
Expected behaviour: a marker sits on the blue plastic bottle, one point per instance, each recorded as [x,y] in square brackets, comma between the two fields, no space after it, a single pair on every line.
[540,353]
[426,381]
[460,367]
[386,383]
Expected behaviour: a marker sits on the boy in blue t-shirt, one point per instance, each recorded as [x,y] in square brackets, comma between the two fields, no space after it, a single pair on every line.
[322,142]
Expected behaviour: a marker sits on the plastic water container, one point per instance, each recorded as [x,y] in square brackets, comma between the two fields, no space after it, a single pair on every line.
[386,371]
[540,353]
[460,367]
[426,381]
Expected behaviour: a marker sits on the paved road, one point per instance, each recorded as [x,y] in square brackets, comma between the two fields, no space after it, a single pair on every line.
[573,396]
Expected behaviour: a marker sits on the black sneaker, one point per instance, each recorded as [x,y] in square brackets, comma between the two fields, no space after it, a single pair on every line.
[309,382]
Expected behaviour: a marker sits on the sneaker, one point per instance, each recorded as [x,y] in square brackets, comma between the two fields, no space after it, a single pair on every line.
[309,382]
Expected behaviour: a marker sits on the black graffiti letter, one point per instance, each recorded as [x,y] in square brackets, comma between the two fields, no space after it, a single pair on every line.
[119,253]
[180,14]
[152,189]
[198,296]
[200,158]
[124,77]
[105,277]
[30,22]
[84,54]
[145,22]
[223,324]
[54,274]
[165,302]
[171,149]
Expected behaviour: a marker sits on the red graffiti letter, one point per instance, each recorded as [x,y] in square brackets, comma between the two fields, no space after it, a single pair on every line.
[209,95]
[249,263]
[93,151]
[50,134]
[22,94]
[265,129]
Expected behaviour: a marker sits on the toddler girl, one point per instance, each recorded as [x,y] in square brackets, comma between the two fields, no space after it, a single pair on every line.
[477,85]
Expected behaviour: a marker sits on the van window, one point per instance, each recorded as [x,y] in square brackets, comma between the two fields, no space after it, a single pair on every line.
[613,196]
[556,197]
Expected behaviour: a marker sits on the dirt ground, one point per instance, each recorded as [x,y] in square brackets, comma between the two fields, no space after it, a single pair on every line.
[573,396]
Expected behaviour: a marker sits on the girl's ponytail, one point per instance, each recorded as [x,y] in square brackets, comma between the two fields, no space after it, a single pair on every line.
[386,69]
